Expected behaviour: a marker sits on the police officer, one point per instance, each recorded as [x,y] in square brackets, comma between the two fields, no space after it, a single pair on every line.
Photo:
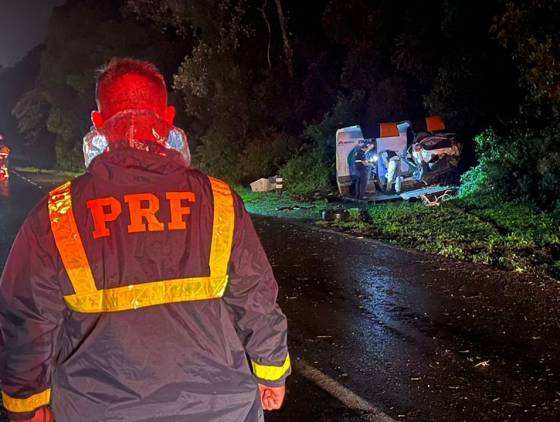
[363,168]
[140,290]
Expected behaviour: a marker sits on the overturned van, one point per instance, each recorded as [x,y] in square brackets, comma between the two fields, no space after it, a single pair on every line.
[403,159]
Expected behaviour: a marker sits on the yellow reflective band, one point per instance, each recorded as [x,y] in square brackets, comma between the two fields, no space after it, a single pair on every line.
[88,299]
[142,295]
[68,240]
[222,232]
[271,373]
[29,404]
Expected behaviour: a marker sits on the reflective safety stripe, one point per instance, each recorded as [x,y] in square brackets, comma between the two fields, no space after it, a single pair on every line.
[68,240]
[142,295]
[88,299]
[222,236]
[29,404]
[271,373]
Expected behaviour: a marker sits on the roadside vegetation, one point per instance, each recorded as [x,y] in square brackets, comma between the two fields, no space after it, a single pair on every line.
[509,236]
[478,228]
[272,204]
[36,170]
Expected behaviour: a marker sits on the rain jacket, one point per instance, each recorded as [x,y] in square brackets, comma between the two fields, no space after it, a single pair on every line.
[153,319]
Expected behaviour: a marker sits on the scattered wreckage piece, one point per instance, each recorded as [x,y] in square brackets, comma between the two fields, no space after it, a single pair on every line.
[267,184]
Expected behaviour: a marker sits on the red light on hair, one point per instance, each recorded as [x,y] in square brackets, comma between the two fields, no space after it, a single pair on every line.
[129,84]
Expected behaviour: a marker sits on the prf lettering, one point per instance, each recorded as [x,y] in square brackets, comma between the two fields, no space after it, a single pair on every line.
[142,212]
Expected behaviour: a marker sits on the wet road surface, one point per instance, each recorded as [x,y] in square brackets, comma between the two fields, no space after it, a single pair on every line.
[420,337]
[17,197]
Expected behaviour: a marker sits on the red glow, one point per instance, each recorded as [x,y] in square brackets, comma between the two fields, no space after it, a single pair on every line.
[132,92]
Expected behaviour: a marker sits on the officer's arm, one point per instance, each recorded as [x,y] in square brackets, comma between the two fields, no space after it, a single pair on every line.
[31,311]
[251,294]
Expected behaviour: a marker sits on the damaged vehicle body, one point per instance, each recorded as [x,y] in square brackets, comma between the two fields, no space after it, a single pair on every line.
[402,160]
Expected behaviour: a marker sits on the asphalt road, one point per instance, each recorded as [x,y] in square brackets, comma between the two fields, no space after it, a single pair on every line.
[420,337]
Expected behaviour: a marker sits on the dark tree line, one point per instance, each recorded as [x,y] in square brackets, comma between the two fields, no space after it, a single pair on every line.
[264,84]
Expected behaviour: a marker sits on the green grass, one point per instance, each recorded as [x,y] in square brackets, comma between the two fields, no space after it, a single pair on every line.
[35,170]
[280,205]
[515,237]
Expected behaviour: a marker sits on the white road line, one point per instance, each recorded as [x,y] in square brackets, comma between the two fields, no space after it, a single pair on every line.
[350,399]
[28,180]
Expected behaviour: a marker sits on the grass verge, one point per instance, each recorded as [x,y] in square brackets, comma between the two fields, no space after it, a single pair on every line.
[35,170]
[281,205]
[510,236]
[47,179]
[515,237]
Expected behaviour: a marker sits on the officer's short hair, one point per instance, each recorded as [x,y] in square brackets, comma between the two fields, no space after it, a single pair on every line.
[127,83]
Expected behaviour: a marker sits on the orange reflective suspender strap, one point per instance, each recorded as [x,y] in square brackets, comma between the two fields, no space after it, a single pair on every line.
[68,240]
[28,404]
[141,295]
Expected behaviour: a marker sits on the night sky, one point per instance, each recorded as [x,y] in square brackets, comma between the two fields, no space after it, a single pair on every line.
[23,25]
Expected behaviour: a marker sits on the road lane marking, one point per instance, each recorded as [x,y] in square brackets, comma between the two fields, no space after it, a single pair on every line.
[347,397]
[28,180]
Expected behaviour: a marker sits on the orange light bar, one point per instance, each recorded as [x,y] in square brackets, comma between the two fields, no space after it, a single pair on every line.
[434,124]
[387,130]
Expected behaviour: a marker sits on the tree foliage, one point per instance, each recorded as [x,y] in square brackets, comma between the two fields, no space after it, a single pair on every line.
[14,83]
[529,30]
[264,84]
[521,161]
[82,36]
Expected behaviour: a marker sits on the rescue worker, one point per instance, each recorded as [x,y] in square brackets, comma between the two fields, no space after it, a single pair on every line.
[363,169]
[352,170]
[140,290]
[392,163]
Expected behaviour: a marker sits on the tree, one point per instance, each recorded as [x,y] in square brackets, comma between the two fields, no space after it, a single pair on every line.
[521,160]
[82,35]
[234,93]
[14,82]
[528,29]
[262,83]
[31,112]
[288,51]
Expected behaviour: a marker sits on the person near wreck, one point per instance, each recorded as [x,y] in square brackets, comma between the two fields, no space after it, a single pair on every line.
[362,168]
[140,291]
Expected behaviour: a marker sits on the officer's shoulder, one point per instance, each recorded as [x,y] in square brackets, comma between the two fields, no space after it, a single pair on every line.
[208,180]
[43,203]
[238,201]
[38,217]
